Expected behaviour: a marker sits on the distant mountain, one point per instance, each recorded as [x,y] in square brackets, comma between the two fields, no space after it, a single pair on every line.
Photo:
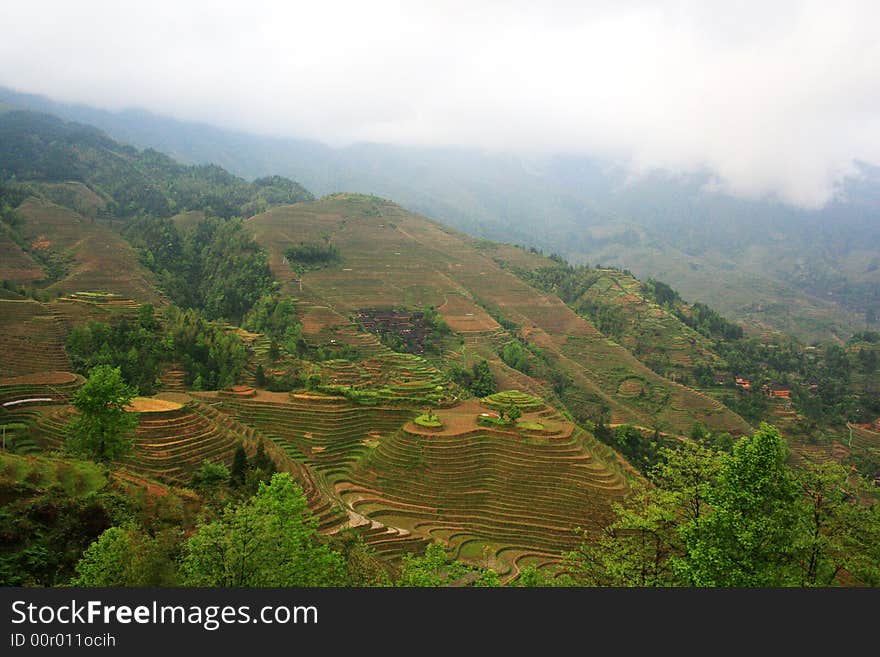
[812,273]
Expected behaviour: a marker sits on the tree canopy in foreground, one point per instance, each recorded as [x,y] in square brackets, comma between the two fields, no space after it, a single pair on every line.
[744,519]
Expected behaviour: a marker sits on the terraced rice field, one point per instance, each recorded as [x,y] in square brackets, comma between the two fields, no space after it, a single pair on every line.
[521,495]
[631,387]
[522,492]
[805,453]
[393,377]
[25,399]
[58,386]
[330,517]
[152,405]
[866,439]
[100,259]
[75,310]
[464,316]
[326,436]
[392,257]
[525,402]
[327,433]
[173,378]
[16,265]
[649,326]
[30,339]
[171,441]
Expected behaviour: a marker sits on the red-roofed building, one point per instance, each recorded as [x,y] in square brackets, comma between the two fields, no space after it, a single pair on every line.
[743,382]
[779,391]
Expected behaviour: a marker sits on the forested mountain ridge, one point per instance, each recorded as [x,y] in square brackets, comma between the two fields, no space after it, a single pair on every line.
[44,148]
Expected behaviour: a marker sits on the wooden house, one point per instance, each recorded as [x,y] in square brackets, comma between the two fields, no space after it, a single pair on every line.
[779,391]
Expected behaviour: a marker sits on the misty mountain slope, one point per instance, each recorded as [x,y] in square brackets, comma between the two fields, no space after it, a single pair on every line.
[812,273]
[760,301]
[42,147]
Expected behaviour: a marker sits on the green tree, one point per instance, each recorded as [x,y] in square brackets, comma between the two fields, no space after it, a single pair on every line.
[635,550]
[128,557]
[239,467]
[269,540]
[103,429]
[274,350]
[867,360]
[259,469]
[747,539]
[700,432]
[838,535]
[262,461]
[482,381]
[722,442]
[514,413]
[530,577]
[743,519]
[645,544]
[478,380]
[435,568]
[516,356]
[364,566]
[209,476]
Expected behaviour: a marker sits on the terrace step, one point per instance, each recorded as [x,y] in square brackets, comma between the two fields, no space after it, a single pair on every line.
[30,339]
[486,485]
[173,378]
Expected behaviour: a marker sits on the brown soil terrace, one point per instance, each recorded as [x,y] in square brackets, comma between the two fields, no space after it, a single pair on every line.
[152,405]
[39,378]
[464,316]
[462,419]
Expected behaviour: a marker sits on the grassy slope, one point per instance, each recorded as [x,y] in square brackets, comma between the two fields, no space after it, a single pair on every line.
[186,220]
[77,478]
[73,195]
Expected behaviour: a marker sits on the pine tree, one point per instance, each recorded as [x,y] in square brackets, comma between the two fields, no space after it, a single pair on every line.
[238,472]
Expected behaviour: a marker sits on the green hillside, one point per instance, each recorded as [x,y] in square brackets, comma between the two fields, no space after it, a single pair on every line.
[418,385]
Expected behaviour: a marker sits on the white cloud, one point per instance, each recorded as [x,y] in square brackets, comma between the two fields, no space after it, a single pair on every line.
[775,98]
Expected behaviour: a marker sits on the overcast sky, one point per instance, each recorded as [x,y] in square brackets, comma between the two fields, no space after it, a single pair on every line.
[775,97]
